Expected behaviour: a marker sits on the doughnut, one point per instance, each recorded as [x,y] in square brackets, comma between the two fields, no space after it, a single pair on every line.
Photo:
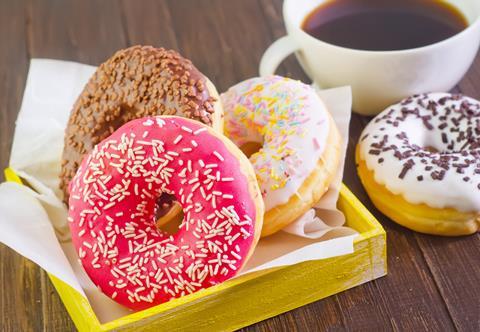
[297,141]
[136,82]
[419,161]
[113,198]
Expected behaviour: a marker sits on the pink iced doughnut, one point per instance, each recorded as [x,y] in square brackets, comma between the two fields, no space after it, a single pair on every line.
[113,204]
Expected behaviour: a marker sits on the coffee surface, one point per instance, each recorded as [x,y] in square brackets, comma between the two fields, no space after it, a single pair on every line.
[384,25]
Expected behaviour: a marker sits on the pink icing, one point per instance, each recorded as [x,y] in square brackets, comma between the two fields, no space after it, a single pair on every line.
[112,212]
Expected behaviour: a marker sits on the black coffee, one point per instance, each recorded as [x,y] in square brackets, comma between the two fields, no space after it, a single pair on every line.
[384,25]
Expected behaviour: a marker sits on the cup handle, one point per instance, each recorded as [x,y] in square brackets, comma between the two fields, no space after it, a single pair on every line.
[275,54]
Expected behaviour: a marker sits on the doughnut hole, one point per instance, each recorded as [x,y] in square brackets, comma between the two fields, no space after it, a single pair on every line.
[431,149]
[250,148]
[433,144]
[168,213]
[431,141]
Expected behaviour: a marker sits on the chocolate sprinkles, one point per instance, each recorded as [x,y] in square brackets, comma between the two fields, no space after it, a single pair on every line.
[134,83]
[452,124]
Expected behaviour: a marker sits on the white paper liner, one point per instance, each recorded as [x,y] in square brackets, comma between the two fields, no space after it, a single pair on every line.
[30,219]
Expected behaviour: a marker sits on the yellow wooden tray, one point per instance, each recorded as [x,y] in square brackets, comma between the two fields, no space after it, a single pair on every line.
[255,296]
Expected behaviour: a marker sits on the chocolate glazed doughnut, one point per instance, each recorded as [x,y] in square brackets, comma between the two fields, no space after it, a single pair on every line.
[136,82]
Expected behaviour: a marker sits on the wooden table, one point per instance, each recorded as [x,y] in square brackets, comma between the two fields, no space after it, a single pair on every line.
[433,282]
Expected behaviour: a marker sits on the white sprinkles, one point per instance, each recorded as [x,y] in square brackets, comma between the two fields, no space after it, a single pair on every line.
[144,265]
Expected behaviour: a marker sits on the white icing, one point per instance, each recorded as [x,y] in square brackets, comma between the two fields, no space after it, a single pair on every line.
[276,111]
[453,190]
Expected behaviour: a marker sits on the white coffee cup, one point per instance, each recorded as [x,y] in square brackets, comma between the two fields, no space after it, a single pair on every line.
[377,78]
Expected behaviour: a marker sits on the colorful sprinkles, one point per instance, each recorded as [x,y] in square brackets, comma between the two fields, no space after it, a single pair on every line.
[290,122]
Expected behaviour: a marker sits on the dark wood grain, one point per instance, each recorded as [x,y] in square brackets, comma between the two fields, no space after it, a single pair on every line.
[13,71]
[53,32]
[20,280]
[149,24]
[86,31]
[433,282]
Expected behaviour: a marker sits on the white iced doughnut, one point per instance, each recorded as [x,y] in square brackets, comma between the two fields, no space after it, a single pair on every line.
[299,142]
[426,149]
